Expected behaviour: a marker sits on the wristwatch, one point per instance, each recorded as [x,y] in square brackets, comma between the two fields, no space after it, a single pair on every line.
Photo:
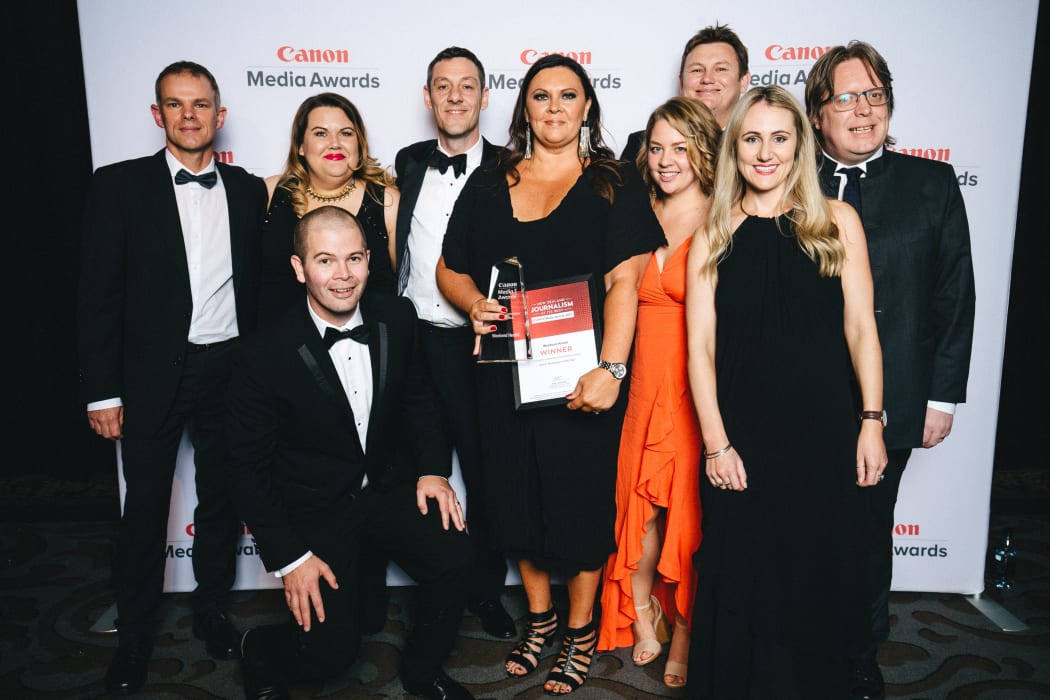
[616,369]
[874,415]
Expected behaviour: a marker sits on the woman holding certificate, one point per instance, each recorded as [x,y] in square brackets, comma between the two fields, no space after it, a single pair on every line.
[564,208]
[650,576]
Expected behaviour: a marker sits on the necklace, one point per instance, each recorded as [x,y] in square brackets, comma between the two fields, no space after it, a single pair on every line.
[755,216]
[337,197]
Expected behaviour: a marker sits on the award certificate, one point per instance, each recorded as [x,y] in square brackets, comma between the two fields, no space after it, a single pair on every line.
[565,324]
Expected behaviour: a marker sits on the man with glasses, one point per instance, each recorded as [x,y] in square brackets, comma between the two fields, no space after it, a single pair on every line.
[919,246]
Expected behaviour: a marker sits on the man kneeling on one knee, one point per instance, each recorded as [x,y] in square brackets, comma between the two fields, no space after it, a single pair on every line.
[338,446]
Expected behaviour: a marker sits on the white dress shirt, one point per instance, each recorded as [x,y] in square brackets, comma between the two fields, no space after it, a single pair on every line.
[437,197]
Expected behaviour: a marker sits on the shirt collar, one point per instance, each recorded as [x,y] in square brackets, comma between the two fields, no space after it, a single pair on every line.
[355,320]
[862,165]
[474,153]
[175,166]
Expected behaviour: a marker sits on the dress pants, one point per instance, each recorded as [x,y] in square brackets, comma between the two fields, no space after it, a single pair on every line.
[879,502]
[149,465]
[438,560]
[450,361]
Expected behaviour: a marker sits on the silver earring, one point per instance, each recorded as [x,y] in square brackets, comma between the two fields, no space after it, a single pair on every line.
[585,141]
[528,142]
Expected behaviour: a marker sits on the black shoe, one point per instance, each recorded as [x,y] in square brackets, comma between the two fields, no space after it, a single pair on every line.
[866,680]
[221,638]
[494,619]
[441,688]
[127,670]
[259,681]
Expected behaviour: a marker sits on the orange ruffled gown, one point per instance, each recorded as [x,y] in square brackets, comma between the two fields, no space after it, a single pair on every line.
[659,459]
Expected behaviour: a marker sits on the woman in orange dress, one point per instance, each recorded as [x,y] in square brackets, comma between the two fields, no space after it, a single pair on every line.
[657,489]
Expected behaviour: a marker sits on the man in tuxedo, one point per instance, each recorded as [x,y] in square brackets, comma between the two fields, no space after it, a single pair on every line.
[714,71]
[919,246]
[430,175]
[337,442]
[168,284]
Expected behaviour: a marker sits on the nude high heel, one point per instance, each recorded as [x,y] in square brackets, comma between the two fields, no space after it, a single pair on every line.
[651,646]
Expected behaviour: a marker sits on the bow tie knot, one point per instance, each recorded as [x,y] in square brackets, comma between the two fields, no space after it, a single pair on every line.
[442,161]
[206,180]
[333,335]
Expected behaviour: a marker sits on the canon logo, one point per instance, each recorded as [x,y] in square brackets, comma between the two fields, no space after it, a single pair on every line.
[776,52]
[290,54]
[941,154]
[224,157]
[906,529]
[530,56]
[191,531]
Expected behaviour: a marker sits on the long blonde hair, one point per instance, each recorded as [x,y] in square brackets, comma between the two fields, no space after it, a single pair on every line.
[810,212]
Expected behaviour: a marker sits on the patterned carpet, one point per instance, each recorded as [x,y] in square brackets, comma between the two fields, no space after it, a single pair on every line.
[54,589]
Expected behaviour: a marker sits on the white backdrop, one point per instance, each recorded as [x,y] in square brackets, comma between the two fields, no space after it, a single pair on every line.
[961,73]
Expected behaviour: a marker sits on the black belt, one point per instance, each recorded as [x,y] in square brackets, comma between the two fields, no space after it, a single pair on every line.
[445,330]
[194,348]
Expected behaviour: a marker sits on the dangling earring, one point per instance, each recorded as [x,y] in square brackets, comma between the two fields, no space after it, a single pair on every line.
[585,141]
[528,142]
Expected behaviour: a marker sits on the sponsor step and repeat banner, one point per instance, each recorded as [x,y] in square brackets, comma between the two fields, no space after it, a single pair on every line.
[953,103]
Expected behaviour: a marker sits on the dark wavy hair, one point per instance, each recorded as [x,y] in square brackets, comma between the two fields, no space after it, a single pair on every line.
[603,169]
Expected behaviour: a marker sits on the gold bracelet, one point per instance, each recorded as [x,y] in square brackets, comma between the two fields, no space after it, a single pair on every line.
[718,453]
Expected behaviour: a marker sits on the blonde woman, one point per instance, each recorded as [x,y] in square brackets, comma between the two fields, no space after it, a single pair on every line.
[780,321]
[650,577]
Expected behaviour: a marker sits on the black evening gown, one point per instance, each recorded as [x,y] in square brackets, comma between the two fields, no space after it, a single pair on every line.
[278,286]
[778,606]
[549,472]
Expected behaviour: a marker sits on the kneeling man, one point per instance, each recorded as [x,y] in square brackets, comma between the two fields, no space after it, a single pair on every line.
[338,445]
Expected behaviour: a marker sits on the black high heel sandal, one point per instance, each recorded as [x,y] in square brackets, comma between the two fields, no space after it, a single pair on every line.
[574,659]
[542,629]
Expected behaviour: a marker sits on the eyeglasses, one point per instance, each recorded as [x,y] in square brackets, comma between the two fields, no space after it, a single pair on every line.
[848,101]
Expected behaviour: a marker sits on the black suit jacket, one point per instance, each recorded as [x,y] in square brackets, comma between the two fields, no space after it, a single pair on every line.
[135,301]
[296,453]
[919,244]
[635,142]
[410,166]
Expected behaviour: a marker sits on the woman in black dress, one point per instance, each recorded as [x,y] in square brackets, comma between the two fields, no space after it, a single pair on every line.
[779,311]
[564,207]
[328,163]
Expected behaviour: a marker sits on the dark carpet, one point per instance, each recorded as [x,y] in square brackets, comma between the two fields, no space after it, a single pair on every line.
[57,544]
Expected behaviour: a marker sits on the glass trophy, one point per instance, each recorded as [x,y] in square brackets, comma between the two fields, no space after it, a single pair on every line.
[511,341]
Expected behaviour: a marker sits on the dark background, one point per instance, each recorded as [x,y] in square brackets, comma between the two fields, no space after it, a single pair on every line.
[47,128]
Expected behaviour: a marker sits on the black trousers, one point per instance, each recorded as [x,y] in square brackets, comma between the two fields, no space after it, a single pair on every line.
[438,561]
[879,503]
[452,367]
[149,464]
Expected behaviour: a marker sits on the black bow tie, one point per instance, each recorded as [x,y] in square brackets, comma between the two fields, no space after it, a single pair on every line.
[441,161]
[206,180]
[333,336]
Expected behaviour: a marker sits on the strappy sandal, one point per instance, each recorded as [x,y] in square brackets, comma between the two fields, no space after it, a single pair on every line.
[652,646]
[542,629]
[574,659]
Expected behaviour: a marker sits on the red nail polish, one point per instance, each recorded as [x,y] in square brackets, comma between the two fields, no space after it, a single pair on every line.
[492,328]
[501,317]
[503,309]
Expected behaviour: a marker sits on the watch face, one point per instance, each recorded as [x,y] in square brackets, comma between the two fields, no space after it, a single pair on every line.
[618,370]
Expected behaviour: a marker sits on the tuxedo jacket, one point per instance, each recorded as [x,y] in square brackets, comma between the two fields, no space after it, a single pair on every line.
[410,166]
[635,143]
[135,301]
[919,245]
[292,435]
